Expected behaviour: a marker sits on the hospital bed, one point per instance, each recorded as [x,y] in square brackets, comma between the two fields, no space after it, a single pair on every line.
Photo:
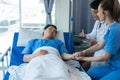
[16,58]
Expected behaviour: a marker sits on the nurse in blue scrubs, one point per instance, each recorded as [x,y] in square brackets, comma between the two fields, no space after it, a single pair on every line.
[109,11]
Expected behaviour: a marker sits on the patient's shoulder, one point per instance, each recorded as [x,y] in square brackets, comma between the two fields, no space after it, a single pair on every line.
[33,40]
[58,41]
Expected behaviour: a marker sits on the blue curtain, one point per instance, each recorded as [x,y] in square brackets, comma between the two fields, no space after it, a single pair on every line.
[48,8]
[82,16]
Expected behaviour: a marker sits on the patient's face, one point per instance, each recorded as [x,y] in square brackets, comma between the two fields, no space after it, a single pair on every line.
[50,32]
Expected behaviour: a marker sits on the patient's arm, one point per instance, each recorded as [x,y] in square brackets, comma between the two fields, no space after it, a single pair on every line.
[28,57]
[66,56]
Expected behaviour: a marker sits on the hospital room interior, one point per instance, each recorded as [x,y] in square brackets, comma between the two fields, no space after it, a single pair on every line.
[24,20]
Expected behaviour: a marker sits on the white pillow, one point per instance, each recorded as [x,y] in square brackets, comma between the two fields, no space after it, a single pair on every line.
[26,34]
[60,35]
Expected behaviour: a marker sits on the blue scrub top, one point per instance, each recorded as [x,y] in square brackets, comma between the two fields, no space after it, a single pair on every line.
[37,43]
[112,44]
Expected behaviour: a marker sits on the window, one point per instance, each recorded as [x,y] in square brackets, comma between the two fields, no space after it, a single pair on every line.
[9,21]
[9,13]
[33,13]
[21,13]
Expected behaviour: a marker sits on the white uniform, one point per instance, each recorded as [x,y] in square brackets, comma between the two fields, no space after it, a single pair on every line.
[97,34]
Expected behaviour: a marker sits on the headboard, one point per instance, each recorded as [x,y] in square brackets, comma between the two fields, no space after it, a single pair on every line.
[16,57]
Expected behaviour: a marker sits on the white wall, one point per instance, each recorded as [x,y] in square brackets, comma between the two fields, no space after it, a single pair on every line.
[62,14]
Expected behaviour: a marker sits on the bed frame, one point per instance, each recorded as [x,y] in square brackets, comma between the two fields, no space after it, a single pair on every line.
[16,58]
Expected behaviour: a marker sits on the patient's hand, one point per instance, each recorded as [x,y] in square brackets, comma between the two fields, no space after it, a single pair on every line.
[78,54]
[41,52]
[27,57]
[79,58]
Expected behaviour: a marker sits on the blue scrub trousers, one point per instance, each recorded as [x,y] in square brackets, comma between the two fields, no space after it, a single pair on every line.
[104,73]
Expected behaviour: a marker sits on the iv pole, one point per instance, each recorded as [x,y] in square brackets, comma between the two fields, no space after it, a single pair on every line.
[71,16]
[70,35]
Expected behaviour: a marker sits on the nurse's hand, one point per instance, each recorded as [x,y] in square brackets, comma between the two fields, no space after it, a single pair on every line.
[78,54]
[82,35]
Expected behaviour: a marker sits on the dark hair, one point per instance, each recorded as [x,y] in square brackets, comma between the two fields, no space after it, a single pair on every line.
[95,4]
[113,7]
[49,26]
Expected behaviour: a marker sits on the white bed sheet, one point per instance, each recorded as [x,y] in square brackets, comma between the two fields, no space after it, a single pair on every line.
[47,67]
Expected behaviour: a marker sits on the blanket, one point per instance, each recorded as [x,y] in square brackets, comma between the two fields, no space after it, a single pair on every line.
[46,67]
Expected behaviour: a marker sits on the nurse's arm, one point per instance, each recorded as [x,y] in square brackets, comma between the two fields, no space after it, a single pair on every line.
[105,57]
[94,48]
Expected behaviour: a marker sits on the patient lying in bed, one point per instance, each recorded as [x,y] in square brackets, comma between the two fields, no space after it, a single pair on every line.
[49,34]
[45,60]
